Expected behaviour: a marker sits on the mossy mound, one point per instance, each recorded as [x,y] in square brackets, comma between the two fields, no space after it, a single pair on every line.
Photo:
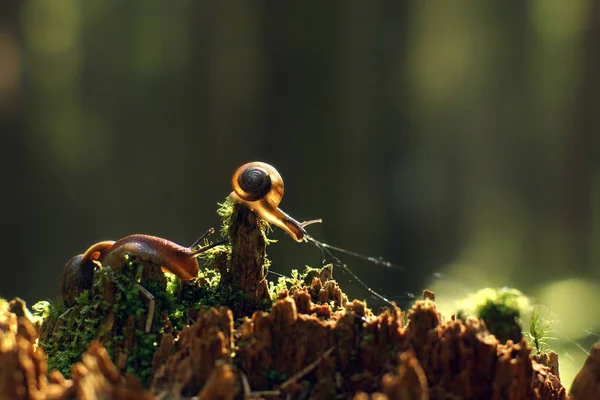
[127,310]
[295,351]
[130,307]
[230,332]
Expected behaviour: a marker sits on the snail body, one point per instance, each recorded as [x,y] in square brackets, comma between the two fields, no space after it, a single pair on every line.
[179,260]
[78,273]
[258,186]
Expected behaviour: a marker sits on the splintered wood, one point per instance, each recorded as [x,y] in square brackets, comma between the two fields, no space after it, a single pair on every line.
[246,271]
[297,350]
[289,354]
[24,375]
[199,348]
[587,382]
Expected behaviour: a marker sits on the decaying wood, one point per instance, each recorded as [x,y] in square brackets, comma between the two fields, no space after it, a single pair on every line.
[246,270]
[290,354]
[24,374]
[312,344]
[200,347]
[587,382]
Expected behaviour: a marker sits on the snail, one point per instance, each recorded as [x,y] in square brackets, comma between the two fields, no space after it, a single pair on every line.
[78,274]
[176,259]
[259,187]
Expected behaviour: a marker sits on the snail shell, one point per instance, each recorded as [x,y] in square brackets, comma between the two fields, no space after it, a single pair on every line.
[78,273]
[258,181]
[258,186]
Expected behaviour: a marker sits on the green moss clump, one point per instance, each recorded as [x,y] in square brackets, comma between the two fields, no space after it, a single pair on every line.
[225,211]
[102,313]
[114,311]
[185,299]
[3,306]
[41,309]
[73,331]
[500,309]
[295,281]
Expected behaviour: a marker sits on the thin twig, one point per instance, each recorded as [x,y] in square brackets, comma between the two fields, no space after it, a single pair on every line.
[245,385]
[254,395]
[150,300]
[249,394]
[304,371]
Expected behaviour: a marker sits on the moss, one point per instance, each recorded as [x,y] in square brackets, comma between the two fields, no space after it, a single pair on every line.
[3,306]
[74,329]
[185,299]
[540,328]
[276,288]
[500,309]
[104,313]
[114,310]
[41,309]
[295,281]
[225,211]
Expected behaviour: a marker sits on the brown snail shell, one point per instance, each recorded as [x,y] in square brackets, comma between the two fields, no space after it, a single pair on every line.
[78,273]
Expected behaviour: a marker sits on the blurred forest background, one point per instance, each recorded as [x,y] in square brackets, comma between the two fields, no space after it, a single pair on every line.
[456,139]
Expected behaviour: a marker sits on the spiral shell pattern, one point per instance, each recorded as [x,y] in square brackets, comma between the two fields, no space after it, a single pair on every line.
[255,182]
[258,181]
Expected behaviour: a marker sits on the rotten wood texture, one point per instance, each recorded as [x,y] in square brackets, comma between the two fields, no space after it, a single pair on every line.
[550,360]
[201,347]
[246,272]
[587,382]
[117,330]
[300,351]
[428,294]
[407,383]
[457,359]
[317,297]
[24,370]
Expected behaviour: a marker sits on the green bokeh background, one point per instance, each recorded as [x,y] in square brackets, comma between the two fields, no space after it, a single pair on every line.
[458,139]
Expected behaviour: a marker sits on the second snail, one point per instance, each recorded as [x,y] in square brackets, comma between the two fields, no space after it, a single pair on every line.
[258,186]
